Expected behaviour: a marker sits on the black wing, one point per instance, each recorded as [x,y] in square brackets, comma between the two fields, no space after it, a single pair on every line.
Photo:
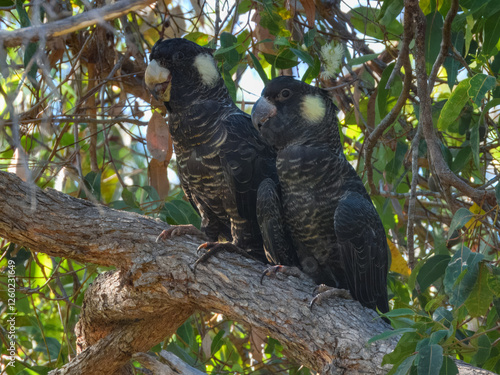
[211,224]
[364,251]
[277,240]
[247,161]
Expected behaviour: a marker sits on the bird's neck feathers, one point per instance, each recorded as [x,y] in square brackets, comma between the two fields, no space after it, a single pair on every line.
[323,134]
[187,93]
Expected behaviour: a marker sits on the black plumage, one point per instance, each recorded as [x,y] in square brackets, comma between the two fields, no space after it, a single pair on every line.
[335,230]
[221,157]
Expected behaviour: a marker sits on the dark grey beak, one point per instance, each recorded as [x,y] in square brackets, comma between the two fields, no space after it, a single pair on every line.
[262,111]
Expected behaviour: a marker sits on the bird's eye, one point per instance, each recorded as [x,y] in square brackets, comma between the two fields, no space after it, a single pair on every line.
[178,56]
[284,94]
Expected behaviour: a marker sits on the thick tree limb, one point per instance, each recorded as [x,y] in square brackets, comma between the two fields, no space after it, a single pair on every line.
[155,290]
[68,25]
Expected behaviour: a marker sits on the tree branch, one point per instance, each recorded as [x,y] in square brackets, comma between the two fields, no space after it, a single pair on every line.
[68,25]
[446,177]
[445,44]
[388,120]
[155,290]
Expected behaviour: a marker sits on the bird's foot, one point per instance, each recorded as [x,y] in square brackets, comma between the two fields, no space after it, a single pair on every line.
[180,230]
[287,270]
[322,292]
[213,248]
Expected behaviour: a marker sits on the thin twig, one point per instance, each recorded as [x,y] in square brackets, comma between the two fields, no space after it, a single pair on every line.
[413,198]
[445,44]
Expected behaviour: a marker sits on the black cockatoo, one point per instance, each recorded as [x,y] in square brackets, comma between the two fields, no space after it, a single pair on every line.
[335,230]
[221,157]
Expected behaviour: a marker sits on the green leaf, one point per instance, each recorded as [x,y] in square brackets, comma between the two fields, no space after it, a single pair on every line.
[396,163]
[228,80]
[492,103]
[186,333]
[6,3]
[404,366]
[387,334]
[29,58]
[304,56]
[451,64]
[461,275]
[390,10]
[483,350]
[53,346]
[497,193]
[437,336]
[399,312]
[283,60]
[92,182]
[23,15]
[448,367]
[362,59]
[129,198]
[443,315]
[474,144]
[309,37]
[364,19]
[197,37]
[404,348]
[217,342]
[491,34]
[434,35]
[462,158]
[494,282]
[461,217]
[181,353]
[227,52]
[178,211]
[312,72]
[433,269]
[430,360]
[480,84]
[384,93]
[452,108]
[481,297]
[259,68]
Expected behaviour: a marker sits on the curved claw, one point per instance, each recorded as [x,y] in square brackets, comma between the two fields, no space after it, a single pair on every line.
[270,271]
[325,291]
[205,246]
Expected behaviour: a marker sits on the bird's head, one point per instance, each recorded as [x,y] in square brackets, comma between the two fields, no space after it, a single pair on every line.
[292,112]
[180,65]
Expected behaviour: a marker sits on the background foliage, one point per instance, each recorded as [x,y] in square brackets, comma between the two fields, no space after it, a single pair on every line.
[74,116]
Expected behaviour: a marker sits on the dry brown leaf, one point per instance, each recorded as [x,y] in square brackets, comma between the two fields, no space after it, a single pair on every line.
[258,340]
[158,138]
[206,345]
[310,10]
[158,177]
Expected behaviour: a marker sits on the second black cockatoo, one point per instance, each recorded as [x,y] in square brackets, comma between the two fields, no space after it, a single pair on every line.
[335,230]
[221,157]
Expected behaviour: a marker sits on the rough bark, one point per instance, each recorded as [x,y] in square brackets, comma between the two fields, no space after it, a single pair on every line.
[154,289]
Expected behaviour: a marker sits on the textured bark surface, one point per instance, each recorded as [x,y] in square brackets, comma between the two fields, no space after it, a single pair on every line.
[154,290]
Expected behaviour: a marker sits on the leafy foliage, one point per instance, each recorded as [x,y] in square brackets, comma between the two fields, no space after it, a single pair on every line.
[74,114]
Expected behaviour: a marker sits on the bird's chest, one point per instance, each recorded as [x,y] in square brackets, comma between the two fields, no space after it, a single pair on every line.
[201,169]
[309,196]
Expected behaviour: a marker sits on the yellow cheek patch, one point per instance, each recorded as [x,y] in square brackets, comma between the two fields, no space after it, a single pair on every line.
[313,108]
[166,94]
[156,74]
[207,69]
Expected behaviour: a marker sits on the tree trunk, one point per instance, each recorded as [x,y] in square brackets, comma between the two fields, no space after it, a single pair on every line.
[154,290]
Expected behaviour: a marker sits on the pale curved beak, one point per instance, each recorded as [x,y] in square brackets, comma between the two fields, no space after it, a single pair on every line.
[158,81]
[262,111]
